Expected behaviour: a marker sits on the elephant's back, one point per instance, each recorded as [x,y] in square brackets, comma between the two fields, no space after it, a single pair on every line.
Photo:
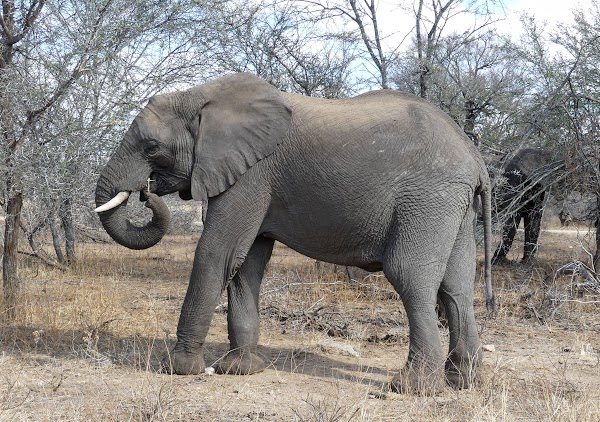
[381,129]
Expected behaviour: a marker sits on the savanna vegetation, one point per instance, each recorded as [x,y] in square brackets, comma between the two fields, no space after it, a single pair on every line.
[84,321]
[87,344]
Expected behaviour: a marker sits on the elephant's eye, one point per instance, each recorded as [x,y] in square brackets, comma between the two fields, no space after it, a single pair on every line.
[151,148]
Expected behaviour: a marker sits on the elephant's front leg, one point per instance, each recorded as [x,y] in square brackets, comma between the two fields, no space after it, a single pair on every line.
[509,230]
[532,220]
[230,230]
[204,290]
[243,312]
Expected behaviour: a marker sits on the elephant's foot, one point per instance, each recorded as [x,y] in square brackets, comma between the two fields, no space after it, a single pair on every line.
[500,260]
[528,260]
[240,363]
[462,373]
[420,380]
[183,363]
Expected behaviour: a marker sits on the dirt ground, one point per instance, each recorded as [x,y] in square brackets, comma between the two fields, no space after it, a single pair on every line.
[87,344]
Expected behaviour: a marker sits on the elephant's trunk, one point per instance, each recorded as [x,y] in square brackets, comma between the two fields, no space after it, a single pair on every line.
[118,226]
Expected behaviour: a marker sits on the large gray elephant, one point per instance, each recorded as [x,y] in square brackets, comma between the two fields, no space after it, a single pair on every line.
[383,181]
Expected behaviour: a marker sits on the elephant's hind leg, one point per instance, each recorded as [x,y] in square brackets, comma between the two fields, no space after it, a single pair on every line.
[243,312]
[456,293]
[415,267]
[423,373]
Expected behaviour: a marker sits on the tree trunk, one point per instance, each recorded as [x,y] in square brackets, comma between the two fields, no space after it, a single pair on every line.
[597,224]
[17,22]
[469,123]
[66,217]
[422,68]
[55,230]
[10,280]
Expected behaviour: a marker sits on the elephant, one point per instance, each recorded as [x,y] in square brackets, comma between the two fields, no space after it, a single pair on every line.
[529,176]
[521,196]
[383,181]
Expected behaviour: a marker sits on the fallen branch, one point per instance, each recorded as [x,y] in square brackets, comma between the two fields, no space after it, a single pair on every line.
[575,269]
[578,271]
[93,237]
[48,261]
[37,251]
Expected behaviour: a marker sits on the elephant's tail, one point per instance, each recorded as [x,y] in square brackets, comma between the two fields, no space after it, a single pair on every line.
[486,199]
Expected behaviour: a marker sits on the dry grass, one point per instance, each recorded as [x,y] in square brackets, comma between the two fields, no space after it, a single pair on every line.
[87,343]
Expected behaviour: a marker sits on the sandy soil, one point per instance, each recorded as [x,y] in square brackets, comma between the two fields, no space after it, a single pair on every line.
[88,342]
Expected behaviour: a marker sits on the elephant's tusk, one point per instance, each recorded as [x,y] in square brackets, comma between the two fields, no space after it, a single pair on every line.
[115,202]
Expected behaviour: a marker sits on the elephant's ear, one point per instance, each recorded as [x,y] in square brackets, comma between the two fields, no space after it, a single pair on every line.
[242,120]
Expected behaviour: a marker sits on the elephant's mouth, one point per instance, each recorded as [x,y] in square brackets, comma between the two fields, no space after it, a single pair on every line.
[160,186]
[112,210]
[154,184]
[122,196]
[151,186]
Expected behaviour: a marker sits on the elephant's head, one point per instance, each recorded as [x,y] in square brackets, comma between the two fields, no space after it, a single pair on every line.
[197,142]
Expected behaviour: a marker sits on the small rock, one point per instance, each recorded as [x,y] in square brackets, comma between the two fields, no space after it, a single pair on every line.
[332,346]
[209,371]
[488,348]
[587,349]
[377,395]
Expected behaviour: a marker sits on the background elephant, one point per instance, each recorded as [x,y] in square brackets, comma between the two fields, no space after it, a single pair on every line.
[383,181]
[527,179]
[520,195]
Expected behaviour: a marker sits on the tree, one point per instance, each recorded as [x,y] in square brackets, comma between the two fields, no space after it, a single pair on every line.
[557,109]
[431,20]
[16,120]
[76,136]
[580,108]
[71,73]
[278,43]
[475,83]
[379,48]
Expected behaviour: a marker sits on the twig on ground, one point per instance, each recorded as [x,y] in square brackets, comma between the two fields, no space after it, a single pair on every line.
[576,269]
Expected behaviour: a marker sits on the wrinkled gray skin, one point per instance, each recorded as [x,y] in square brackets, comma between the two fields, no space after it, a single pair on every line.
[382,181]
